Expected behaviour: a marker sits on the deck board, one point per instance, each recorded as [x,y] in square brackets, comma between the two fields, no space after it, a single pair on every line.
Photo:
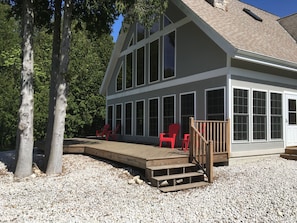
[138,155]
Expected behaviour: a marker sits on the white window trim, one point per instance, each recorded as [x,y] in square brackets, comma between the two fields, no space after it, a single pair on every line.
[180,96]
[252,115]
[116,82]
[135,117]
[205,100]
[159,121]
[174,111]
[149,62]
[133,71]
[112,115]
[132,115]
[232,115]
[122,113]
[269,117]
[163,55]
[144,68]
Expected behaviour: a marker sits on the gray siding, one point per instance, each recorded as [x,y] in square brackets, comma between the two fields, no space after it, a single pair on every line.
[196,53]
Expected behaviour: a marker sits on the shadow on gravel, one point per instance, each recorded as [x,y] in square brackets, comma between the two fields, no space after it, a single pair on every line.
[9,158]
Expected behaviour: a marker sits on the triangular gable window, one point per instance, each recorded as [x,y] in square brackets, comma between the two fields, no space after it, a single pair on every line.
[131,42]
[155,28]
[140,32]
[120,79]
[167,21]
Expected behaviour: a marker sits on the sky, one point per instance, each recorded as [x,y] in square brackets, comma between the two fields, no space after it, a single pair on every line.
[280,8]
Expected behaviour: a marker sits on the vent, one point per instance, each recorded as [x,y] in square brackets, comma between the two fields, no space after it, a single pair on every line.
[249,12]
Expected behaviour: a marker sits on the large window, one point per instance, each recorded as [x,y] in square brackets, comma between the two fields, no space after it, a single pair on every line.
[259,115]
[187,110]
[292,112]
[276,119]
[154,61]
[128,118]
[129,70]
[168,112]
[215,104]
[120,80]
[241,116]
[139,118]
[140,66]
[153,117]
[110,115]
[119,117]
[169,55]
[155,28]
[140,32]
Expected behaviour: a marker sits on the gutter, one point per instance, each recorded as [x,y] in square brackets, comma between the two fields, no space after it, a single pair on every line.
[264,60]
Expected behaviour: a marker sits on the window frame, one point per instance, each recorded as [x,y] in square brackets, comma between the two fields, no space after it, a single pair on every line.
[144,66]
[117,119]
[259,115]
[132,69]
[121,70]
[131,118]
[206,101]
[158,116]
[281,116]
[240,114]
[180,108]
[163,56]
[174,110]
[149,62]
[110,120]
[143,117]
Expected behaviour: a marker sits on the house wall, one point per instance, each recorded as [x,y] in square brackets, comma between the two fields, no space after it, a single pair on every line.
[195,48]
[274,81]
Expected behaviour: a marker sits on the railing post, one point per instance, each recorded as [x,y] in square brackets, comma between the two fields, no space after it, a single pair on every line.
[209,162]
[228,137]
[191,144]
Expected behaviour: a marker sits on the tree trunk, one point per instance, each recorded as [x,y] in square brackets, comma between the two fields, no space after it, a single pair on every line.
[54,73]
[55,158]
[25,127]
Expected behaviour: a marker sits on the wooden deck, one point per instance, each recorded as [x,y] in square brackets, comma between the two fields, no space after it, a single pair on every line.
[137,155]
[159,164]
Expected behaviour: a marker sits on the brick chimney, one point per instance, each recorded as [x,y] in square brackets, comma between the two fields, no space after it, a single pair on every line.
[221,4]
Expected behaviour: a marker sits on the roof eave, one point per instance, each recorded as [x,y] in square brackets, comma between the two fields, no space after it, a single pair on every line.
[265,60]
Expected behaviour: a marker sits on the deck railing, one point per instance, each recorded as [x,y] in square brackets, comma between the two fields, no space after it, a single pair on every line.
[206,139]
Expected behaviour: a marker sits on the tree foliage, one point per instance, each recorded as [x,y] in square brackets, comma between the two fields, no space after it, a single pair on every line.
[86,108]
[10,64]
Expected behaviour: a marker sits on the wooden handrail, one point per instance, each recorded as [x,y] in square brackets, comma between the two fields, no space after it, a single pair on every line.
[201,150]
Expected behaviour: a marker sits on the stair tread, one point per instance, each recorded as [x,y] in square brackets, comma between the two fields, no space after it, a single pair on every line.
[172,166]
[289,156]
[183,186]
[291,151]
[177,176]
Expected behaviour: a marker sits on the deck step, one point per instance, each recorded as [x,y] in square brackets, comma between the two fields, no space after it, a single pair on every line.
[291,151]
[172,166]
[289,156]
[177,176]
[183,186]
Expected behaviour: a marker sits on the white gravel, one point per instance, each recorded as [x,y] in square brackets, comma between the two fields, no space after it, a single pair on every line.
[91,190]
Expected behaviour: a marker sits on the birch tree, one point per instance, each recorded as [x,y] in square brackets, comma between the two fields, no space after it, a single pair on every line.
[25,127]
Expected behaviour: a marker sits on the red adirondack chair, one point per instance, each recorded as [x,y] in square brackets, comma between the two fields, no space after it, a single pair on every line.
[113,133]
[185,142]
[169,137]
[104,132]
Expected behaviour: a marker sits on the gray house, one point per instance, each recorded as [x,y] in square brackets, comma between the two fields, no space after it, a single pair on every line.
[211,60]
